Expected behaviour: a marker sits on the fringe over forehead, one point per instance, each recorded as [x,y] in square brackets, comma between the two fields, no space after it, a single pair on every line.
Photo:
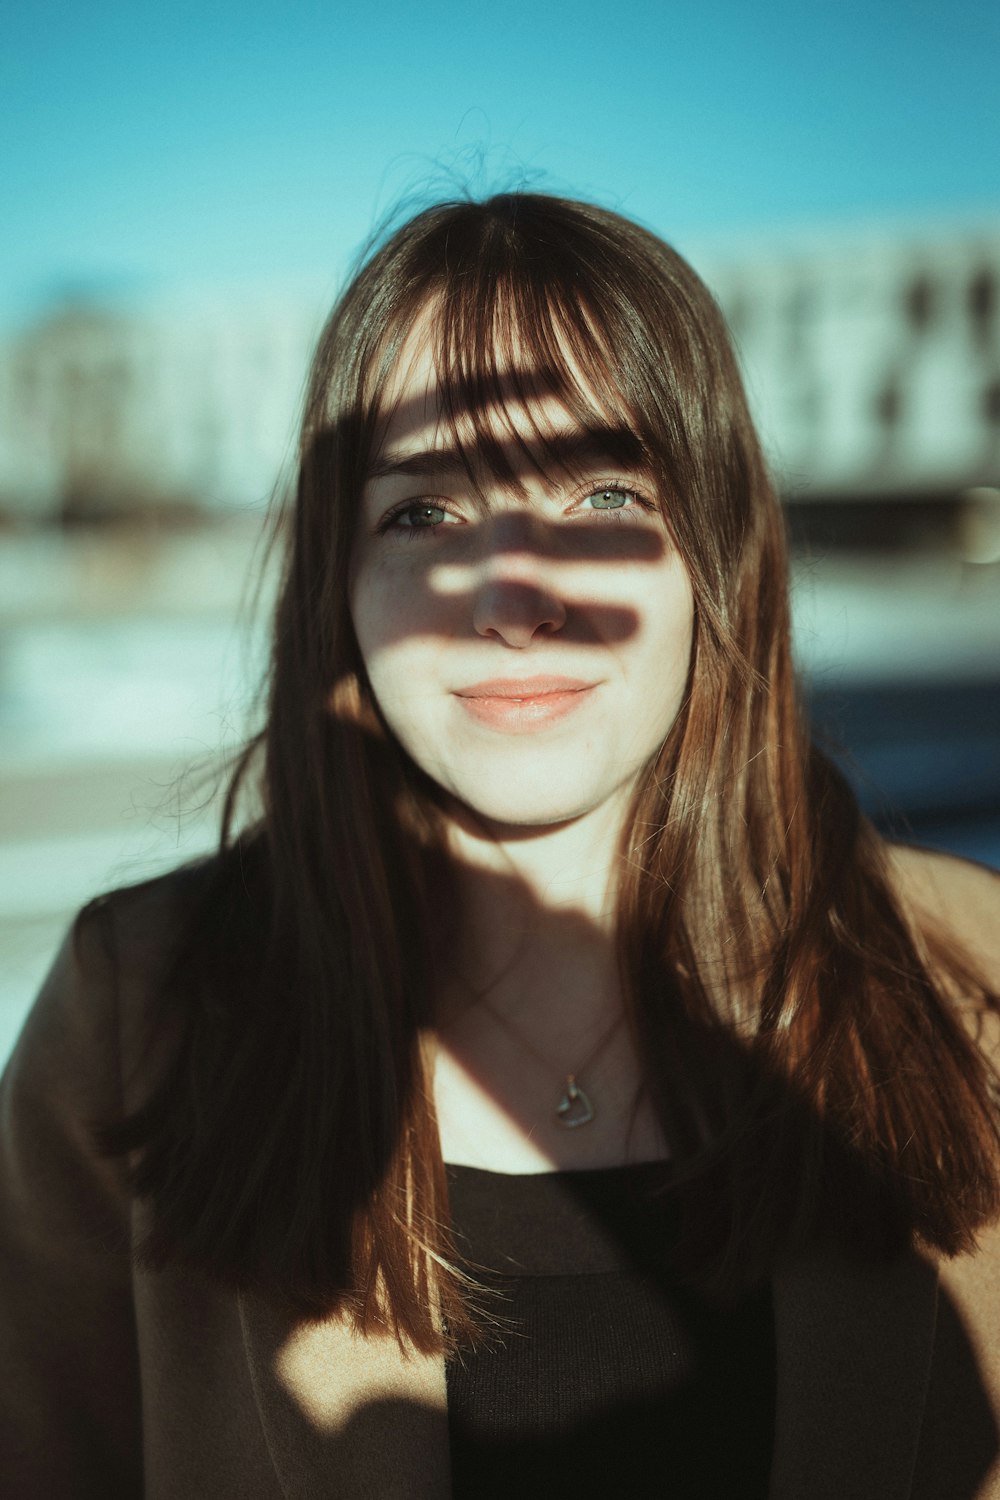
[526,296]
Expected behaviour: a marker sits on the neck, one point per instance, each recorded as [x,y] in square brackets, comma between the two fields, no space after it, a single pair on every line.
[531,1003]
[538,911]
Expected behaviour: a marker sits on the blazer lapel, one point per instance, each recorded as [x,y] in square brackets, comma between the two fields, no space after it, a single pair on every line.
[346,1418]
[854,1347]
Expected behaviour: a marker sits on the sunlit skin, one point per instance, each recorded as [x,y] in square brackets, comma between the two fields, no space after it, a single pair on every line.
[529,646]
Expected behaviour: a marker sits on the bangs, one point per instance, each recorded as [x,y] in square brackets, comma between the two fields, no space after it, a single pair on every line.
[559,334]
[507,353]
[526,382]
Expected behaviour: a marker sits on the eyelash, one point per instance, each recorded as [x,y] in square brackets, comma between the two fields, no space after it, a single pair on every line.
[623,487]
[387,522]
[410,533]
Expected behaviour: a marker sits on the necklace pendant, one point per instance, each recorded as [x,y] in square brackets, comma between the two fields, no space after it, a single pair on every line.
[574,1108]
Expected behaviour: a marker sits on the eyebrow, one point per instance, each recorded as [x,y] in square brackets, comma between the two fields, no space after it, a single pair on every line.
[420,463]
[567,450]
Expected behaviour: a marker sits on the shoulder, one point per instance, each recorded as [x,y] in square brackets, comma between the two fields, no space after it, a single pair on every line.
[168,938]
[957,903]
[141,925]
[955,899]
[100,1002]
[193,906]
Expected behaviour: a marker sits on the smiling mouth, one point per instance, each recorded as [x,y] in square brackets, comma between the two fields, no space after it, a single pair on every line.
[521,704]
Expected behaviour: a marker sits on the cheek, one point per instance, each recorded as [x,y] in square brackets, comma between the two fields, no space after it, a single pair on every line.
[400,624]
[667,656]
[668,616]
[683,631]
[388,612]
[397,604]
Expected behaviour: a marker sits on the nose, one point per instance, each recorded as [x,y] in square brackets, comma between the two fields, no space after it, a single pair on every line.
[515,600]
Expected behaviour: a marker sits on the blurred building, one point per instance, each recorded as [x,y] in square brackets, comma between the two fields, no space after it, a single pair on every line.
[105,411]
[873,368]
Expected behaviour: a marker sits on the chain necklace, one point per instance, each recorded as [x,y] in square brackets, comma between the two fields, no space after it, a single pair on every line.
[575,1106]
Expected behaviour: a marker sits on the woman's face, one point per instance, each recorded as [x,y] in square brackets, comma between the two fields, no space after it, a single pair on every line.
[528,643]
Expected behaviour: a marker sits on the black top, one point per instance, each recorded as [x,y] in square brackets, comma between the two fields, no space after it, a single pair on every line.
[607,1377]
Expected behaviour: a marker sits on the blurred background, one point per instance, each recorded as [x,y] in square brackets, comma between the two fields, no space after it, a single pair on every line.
[183,192]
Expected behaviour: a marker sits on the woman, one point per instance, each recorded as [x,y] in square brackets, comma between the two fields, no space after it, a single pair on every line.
[547,885]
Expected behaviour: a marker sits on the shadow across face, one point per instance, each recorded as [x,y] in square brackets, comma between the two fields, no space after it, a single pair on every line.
[533,568]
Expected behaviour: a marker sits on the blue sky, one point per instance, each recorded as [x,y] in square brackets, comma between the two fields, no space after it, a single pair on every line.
[152,146]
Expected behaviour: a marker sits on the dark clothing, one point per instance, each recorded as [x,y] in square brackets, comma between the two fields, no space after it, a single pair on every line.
[606,1377]
[121,1381]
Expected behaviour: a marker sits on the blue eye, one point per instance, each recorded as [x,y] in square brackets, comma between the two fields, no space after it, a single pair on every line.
[419,517]
[610,499]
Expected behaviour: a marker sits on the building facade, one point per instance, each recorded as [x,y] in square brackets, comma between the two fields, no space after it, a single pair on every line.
[873,368]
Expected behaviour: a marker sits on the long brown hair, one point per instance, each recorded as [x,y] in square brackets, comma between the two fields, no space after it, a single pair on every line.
[798,1038]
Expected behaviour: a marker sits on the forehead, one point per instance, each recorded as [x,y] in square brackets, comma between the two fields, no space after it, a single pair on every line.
[513,408]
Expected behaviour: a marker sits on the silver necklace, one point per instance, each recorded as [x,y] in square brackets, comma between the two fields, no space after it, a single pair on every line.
[575,1106]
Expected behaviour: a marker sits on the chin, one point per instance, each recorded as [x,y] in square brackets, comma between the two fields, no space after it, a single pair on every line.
[527,820]
[515,808]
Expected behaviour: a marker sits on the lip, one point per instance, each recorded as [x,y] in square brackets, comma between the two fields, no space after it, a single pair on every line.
[519,704]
